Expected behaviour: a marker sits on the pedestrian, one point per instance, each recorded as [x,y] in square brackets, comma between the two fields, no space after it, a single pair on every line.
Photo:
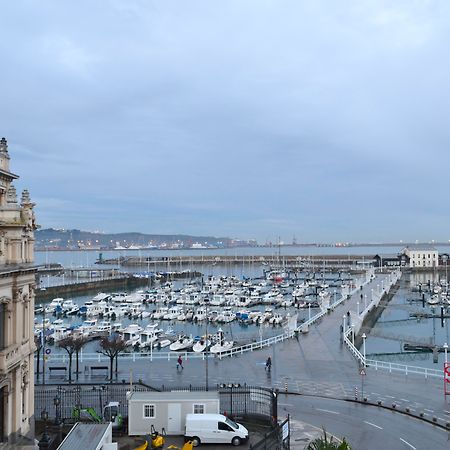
[348,318]
[180,363]
[268,363]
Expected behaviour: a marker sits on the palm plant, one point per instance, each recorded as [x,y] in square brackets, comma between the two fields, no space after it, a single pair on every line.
[326,442]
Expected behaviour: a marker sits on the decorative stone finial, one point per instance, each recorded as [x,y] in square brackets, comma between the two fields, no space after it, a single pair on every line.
[3,145]
[25,200]
[11,195]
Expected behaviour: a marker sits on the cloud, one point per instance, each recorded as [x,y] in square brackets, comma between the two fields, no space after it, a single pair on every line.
[251,118]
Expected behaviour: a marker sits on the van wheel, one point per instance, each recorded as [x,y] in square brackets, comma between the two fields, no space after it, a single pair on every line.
[236,441]
[196,441]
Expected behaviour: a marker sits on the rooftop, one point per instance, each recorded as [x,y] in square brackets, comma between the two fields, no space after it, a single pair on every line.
[86,436]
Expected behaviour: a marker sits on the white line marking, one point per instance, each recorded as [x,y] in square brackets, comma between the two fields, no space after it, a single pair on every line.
[407,443]
[376,426]
[285,404]
[446,412]
[390,396]
[404,400]
[328,411]
[429,410]
[375,393]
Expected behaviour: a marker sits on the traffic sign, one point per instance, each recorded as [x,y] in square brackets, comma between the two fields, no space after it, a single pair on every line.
[362,372]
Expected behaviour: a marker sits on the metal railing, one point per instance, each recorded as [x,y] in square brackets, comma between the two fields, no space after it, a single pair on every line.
[395,367]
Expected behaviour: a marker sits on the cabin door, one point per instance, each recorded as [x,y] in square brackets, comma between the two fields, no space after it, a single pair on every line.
[174,418]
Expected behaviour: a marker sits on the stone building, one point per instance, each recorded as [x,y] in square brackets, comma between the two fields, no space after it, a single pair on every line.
[422,256]
[17,286]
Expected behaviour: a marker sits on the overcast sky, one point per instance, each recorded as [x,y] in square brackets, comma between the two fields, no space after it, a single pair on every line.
[325,120]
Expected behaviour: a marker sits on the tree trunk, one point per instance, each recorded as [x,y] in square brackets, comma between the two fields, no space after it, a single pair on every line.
[70,367]
[111,365]
[38,362]
[77,371]
[117,362]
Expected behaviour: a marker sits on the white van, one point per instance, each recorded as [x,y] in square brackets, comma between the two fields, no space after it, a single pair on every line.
[214,428]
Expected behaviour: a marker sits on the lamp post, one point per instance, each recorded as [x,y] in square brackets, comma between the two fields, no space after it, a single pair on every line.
[445,352]
[357,308]
[44,442]
[371,298]
[364,347]
[344,318]
[365,301]
[57,402]
[206,342]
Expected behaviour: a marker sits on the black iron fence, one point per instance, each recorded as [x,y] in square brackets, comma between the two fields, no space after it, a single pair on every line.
[59,401]
[277,439]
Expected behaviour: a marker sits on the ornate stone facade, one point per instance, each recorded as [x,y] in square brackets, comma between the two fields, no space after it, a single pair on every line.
[17,286]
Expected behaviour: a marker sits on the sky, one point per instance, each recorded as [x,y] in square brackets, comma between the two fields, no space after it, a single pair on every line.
[254,119]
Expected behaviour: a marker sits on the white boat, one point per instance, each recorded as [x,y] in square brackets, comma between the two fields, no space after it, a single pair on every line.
[222,346]
[131,334]
[277,319]
[101,296]
[161,343]
[201,345]
[182,343]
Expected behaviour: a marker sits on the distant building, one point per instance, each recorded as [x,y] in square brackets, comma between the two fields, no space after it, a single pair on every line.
[17,287]
[422,256]
[399,260]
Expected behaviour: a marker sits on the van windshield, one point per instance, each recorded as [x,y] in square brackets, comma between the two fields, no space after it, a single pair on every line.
[231,423]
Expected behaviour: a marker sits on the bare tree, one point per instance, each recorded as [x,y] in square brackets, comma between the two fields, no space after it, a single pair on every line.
[111,346]
[80,342]
[39,346]
[68,344]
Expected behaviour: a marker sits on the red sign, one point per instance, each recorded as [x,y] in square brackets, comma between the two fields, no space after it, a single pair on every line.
[447,378]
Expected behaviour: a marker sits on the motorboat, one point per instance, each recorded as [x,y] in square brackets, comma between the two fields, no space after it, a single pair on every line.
[222,346]
[182,343]
[201,345]
[131,334]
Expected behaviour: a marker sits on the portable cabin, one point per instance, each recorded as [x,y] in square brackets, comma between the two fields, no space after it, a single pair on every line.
[167,410]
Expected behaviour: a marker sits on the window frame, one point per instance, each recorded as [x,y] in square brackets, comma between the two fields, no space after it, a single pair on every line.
[152,408]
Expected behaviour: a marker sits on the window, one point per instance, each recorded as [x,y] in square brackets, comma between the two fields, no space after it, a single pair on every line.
[2,326]
[198,408]
[224,427]
[149,411]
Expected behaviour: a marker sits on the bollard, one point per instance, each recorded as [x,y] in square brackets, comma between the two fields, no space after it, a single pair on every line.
[286,386]
[356,392]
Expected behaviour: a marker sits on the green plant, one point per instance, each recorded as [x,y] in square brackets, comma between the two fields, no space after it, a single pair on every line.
[326,442]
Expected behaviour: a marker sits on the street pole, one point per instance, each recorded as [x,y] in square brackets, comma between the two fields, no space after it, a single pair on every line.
[365,301]
[206,348]
[357,308]
[43,345]
[445,352]
[364,348]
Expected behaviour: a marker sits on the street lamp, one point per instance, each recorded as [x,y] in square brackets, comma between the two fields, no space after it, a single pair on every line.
[364,347]
[57,402]
[357,308]
[344,318]
[365,301]
[445,352]
[206,342]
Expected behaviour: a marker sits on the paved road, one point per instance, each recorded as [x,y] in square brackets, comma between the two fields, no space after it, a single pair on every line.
[366,427]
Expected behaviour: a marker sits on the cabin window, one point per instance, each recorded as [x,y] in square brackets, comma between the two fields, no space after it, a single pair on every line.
[224,427]
[149,411]
[198,408]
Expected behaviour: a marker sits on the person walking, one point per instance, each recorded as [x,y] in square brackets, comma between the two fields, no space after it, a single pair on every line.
[268,363]
[180,363]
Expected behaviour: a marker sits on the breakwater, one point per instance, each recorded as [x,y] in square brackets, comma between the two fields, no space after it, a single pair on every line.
[121,283]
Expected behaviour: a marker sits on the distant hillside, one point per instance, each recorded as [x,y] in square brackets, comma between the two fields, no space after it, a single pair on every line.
[76,239]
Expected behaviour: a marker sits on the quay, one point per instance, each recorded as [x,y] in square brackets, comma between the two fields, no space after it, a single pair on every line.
[121,281]
[322,262]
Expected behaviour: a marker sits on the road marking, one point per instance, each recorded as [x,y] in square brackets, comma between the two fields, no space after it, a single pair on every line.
[446,412]
[372,424]
[407,443]
[328,411]
[429,410]
[285,404]
[390,396]
[376,393]
[404,400]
